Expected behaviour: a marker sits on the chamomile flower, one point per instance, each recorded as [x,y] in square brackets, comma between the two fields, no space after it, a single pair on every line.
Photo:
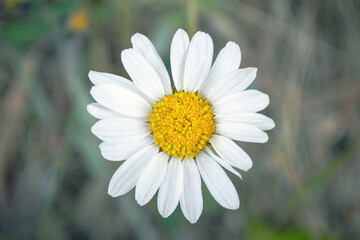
[172,136]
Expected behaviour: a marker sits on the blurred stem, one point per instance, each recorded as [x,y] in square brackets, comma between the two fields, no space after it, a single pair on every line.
[55,181]
[192,15]
[318,180]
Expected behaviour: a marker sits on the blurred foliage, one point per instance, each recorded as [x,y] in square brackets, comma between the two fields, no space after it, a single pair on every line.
[303,185]
[259,230]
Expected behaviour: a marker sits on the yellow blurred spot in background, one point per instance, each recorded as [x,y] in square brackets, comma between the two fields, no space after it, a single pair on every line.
[11,3]
[78,21]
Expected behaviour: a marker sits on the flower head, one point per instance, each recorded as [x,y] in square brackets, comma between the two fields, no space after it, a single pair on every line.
[171,138]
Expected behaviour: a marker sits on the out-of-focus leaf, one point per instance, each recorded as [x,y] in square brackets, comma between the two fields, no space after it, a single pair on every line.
[22,32]
[259,230]
[42,20]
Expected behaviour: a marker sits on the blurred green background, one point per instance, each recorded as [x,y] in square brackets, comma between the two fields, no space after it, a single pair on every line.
[305,180]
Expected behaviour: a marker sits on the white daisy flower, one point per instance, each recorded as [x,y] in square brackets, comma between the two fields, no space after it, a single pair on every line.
[171,137]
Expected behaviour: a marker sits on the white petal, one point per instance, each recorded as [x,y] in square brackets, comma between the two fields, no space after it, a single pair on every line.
[98,78]
[100,112]
[147,49]
[143,74]
[110,129]
[231,152]
[198,61]
[117,151]
[221,88]
[246,101]
[151,179]
[218,183]
[178,54]
[191,201]
[228,60]
[171,189]
[259,120]
[121,100]
[241,132]
[224,163]
[234,82]
[127,175]
[246,77]
[107,78]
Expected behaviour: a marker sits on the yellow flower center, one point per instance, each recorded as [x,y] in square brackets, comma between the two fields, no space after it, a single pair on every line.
[182,124]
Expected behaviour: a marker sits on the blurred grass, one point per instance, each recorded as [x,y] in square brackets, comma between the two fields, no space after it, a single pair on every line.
[53,181]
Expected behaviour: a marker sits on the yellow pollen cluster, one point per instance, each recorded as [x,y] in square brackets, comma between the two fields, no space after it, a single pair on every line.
[182,124]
